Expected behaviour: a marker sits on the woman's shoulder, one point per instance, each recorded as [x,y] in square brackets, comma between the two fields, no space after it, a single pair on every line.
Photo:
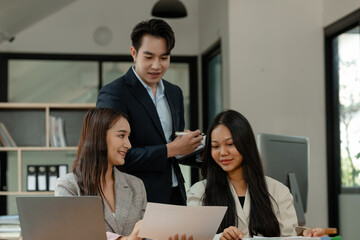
[198,186]
[67,178]
[66,185]
[195,193]
[130,179]
[275,187]
[133,183]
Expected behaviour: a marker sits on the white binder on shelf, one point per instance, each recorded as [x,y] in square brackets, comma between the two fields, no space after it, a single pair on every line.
[31,178]
[52,176]
[41,178]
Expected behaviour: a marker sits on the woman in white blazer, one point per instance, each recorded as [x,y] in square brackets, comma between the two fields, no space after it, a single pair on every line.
[234,177]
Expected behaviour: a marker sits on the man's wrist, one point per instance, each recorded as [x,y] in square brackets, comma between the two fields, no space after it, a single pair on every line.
[170,150]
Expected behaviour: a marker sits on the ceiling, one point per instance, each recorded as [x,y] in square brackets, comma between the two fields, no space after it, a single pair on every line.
[60,81]
[17,15]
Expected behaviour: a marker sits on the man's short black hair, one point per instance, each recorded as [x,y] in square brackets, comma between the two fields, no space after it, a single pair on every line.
[156,28]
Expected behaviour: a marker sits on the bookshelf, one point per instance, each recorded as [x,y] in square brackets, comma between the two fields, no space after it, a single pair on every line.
[29,126]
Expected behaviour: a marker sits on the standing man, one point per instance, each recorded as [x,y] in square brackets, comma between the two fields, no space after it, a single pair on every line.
[156,111]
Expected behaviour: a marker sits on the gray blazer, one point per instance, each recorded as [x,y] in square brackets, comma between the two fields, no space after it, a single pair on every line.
[282,203]
[130,200]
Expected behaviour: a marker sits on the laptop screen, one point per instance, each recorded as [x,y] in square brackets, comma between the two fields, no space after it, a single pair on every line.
[59,218]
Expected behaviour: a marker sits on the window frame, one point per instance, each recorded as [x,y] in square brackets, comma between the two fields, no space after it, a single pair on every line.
[191,60]
[332,116]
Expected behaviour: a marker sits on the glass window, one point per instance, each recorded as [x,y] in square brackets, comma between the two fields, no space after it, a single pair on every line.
[342,68]
[179,74]
[52,81]
[347,50]
[215,86]
[114,70]
[212,84]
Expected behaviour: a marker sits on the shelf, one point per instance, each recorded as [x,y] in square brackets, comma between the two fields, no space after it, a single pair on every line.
[9,149]
[17,238]
[5,193]
[29,123]
[46,105]
[29,126]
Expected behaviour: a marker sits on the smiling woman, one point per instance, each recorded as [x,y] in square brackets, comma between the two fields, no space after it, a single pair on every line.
[117,140]
[234,177]
[224,151]
[103,144]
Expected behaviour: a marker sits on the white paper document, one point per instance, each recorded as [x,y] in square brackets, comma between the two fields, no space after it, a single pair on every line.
[162,221]
[287,238]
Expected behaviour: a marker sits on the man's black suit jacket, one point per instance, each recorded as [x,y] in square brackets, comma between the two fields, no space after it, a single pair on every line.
[147,159]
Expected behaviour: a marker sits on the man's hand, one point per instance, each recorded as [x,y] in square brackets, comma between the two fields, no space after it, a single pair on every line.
[184,144]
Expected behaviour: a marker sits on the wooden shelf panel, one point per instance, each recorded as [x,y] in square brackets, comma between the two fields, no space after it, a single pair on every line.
[18,238]
[46,105]
[5,193]
[13,149]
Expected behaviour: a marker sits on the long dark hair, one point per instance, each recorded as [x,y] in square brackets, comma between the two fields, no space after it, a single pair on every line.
[217,191]
[91,164]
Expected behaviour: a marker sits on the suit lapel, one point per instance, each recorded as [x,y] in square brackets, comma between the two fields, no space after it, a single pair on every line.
[123,199]
[243,213]
[109,217]
[246,207]
[138,90]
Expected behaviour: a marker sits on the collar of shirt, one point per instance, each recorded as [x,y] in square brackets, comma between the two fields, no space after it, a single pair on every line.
[160,90]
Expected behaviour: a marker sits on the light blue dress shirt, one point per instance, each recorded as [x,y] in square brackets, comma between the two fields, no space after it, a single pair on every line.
[163,110]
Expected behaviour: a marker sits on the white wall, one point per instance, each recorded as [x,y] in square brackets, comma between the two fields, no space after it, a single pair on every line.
[277,79]
[335,9]
[71,29]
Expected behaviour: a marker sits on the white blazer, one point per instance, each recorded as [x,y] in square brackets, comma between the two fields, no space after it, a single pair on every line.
[282,204]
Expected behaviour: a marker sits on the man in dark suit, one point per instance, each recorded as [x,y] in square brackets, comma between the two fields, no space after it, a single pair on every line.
[156,111]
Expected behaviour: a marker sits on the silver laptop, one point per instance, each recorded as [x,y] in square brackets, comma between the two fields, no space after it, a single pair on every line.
[59,218]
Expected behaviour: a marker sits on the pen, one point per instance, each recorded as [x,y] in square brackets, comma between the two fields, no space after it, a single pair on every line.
[184,133]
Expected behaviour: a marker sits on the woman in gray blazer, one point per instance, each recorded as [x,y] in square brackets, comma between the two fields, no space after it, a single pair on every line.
[103,144]
[234,177]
